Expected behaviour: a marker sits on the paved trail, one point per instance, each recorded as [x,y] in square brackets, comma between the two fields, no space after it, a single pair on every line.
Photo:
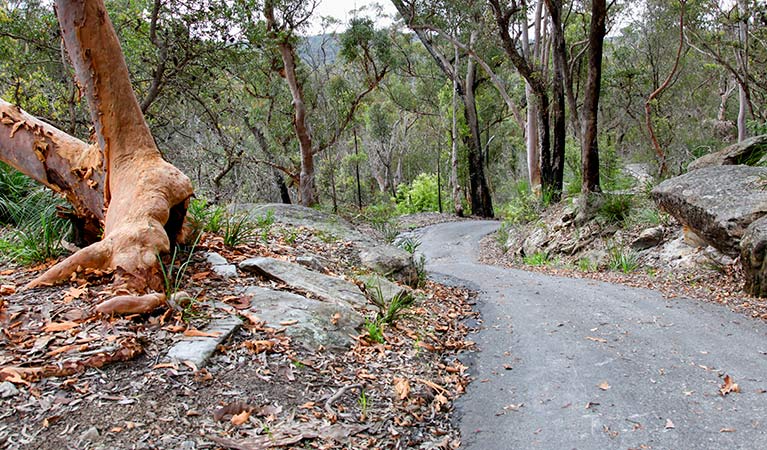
[547,343]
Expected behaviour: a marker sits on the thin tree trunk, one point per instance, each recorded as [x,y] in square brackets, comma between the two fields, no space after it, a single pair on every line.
[357,171]
[743,63]
[307,189]
[457,196]
[659,152]
[533,148]
[590,147]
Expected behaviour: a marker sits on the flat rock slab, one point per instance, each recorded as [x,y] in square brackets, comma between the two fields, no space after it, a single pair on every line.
[324,287]
[718,202]
[749,152]
[198,349]
[309,322]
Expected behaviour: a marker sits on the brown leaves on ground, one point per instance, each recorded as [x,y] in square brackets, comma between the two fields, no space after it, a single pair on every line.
[728,386]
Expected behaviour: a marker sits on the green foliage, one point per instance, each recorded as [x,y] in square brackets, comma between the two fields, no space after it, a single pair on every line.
[265,221]
[622,259]
[203,216]
[389,312]
[502,236]
[37,232]
[239,229]
[614,208]
[586,265]
[420,270]
[524,207]
[419,196]
[410,244]
[537,259]
[173,273]
[374,329]
[757,128]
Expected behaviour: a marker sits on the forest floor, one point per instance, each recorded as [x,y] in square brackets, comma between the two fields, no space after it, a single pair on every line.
[74,380]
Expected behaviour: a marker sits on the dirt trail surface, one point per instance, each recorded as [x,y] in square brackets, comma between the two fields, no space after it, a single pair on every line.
[579,364]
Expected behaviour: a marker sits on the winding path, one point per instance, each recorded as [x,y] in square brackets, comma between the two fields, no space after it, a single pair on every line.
[578,364]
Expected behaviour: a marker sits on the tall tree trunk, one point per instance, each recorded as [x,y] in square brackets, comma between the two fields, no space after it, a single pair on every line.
[481,202]
[146,196]
[558,91]
[590,147]
[531,133]
[743,63]
[457,196]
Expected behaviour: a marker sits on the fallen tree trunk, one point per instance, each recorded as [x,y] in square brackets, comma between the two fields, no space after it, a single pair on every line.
[146,197]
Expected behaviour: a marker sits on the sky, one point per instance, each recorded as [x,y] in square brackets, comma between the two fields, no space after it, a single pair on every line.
[340,9]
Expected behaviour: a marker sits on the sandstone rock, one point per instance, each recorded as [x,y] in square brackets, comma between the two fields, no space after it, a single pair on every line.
[297,277]
[225,270]
[718,203]
[214,259]
[390,261]
[535,242]
[312,262]
[753,248]
[648,238]
[748,152]
[90,435]
[318,323]
[198,349]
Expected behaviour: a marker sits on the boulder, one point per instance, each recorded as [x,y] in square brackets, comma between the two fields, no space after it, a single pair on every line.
[313,323]
[718,203]
[648,238]
[752,256]
[324,287]
[749,152]
[390,261]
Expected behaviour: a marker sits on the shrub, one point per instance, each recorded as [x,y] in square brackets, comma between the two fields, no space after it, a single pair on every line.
[615,208]
[623,260]
[420,196]
[524,206]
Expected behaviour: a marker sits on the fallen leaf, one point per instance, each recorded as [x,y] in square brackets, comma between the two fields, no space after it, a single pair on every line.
[200,276]
[7,289]
[596,339]
[74,292]
[307,405]
[238,302]
[669,424]
[60,326]
[288,323]
[402,388]
[335,318]
[258,345]
[604,385]
[193,332]
[728,386]
[727,430]
[239,419]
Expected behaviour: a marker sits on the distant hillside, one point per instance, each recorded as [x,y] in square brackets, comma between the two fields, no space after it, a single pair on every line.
[317,48]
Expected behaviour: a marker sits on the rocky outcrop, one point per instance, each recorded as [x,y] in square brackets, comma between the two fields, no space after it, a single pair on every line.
[751,151]
[309,322]
[384,259]
[648,238]
[753,248]
[718,203]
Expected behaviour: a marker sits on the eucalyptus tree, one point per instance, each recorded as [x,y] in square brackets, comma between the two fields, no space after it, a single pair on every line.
[144,196]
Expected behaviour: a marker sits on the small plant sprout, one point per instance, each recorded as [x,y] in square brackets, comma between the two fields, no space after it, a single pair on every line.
[374,329]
